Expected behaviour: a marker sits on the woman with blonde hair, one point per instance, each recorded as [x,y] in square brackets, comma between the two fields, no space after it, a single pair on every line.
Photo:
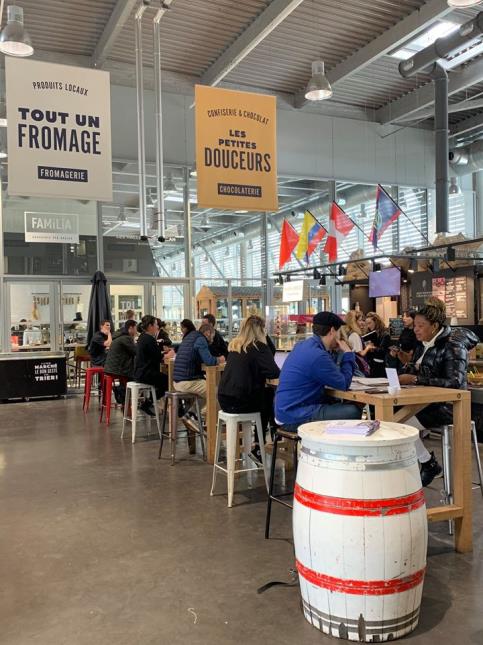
[351,332]
[249,364]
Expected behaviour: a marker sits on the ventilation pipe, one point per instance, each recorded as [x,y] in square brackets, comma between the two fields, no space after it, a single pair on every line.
[138,26]
[442,147]
[469,159]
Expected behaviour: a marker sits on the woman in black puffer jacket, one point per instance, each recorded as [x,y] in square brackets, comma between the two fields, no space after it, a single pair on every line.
[440,360]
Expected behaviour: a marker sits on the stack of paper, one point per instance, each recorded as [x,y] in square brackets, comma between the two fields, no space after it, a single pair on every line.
[362,429]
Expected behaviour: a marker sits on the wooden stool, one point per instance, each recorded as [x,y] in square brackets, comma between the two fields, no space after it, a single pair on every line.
[231,422]
[90,373]
[133,390]
[280,434]
[174,398]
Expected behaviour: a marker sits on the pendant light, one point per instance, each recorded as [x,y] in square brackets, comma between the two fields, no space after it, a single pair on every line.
[318,88]
[463,3]
[14,39]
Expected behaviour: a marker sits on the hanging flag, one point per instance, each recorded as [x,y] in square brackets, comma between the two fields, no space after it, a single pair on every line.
[340,225]
[288,241]
[311,234]
[387,212]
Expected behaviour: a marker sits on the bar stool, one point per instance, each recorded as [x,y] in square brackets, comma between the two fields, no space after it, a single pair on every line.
[107,395]
[280,434]
[90,373]
[445,433]
[133,390]
[175,398]
[231,422]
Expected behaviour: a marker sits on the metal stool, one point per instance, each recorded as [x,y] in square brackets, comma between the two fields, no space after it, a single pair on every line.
[175,398]
[90,373]
[133,390]
[446,447]
[231,422]
[280,434]
[107,395]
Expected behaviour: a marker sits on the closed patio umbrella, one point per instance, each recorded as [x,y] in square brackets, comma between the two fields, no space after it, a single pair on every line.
[99,305]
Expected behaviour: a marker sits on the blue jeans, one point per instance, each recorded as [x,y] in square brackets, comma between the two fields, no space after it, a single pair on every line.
[329,412]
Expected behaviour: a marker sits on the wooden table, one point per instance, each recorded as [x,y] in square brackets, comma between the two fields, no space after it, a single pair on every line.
[212,407]
[407,403]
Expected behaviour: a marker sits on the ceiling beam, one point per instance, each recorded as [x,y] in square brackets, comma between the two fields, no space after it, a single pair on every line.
[118,18]
[388,41]
[468,125]
[453,108]
[423,97]
[260,28]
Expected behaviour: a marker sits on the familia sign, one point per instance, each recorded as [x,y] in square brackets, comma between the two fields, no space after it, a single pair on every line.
[59,228]
[236,156]
[59,130]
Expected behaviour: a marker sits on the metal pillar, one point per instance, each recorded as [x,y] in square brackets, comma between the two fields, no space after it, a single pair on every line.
[264,263]
[159,125]
[188,258]
[478,186]
[100,238]
[138,26]
[243,262]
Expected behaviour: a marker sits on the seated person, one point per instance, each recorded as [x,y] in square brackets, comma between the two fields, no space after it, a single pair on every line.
[147,366]
[401,353]
[377,342]
[440,360]
[218,347]
[163,338]
[194,350]
[121,355]
[309,369]
[100,341]
[250,362]
[130,315]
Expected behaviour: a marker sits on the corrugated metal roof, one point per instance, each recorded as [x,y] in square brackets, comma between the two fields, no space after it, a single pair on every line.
[70,27]
[194,33]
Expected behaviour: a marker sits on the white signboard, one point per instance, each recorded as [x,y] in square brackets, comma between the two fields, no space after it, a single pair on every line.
[293,291]
[59,130]
[52,227]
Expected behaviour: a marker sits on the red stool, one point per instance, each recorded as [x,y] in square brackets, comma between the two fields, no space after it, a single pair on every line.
[107,394]
[90,371]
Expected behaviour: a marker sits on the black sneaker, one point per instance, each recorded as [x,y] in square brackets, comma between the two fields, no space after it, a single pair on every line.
[429,470]
[147,407]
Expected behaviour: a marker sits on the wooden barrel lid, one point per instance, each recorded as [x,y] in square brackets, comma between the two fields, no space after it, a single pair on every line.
[388,434]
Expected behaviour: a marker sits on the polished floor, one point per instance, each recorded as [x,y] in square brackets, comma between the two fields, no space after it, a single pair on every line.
[101,543]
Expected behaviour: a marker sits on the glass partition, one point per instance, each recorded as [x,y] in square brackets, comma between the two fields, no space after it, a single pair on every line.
[30,312]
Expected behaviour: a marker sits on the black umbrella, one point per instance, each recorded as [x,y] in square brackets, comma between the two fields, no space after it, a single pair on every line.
[99,305]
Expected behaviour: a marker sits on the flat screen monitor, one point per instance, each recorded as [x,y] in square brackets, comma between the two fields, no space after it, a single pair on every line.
[385,283]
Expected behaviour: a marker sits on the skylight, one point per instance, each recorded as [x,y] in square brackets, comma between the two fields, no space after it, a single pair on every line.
[439,30]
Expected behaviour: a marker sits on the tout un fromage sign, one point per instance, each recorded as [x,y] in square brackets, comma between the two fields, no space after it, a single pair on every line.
[236,160]
[59,131]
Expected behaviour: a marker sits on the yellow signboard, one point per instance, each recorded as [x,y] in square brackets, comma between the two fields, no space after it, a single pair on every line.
[236,154]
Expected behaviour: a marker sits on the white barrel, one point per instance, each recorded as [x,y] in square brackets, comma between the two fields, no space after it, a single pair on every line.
[360,532]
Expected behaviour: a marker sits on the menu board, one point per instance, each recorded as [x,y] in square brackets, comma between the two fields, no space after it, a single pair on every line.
[450,298]
[439,288]
[396,326]
[461,306]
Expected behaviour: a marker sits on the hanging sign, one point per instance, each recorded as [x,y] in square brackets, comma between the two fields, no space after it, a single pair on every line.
[236,152]
[295,291]
[59,130]
[59,228]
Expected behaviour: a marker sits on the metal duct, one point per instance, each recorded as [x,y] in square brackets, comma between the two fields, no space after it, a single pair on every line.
[140,116]
[467,160]
[471,30]
[441,133]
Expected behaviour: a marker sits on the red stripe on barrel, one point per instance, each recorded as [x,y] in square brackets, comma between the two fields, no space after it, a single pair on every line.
[361,587]
[359,507]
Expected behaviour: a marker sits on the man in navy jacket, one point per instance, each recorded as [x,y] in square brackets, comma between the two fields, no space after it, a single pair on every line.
[308,370]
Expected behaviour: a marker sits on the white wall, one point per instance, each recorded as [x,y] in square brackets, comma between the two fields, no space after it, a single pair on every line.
[309,145]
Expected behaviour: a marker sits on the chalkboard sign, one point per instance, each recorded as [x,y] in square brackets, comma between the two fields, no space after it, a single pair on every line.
[31,377]
[396,326]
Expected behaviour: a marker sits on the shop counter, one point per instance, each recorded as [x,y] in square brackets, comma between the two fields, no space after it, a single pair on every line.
[32,374]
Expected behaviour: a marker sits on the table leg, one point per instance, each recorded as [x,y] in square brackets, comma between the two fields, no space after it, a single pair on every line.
[462,469]
[384,411]
[211,412]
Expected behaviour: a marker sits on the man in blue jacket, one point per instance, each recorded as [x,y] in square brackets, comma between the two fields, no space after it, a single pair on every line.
[194,350]
[308,370]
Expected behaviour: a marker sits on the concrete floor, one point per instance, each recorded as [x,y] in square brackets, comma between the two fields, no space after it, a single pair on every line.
[100,543]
